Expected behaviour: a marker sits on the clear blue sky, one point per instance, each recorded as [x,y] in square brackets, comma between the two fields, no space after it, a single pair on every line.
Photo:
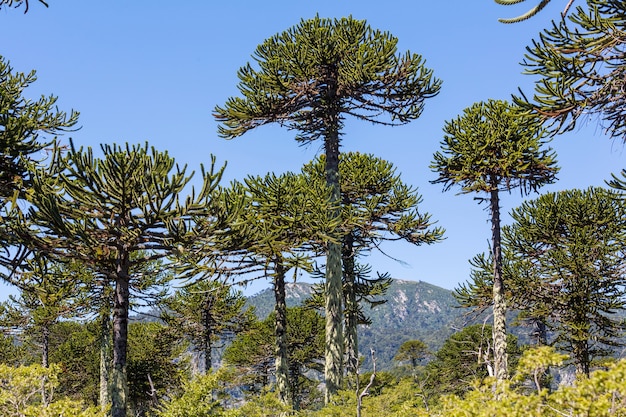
[153,71]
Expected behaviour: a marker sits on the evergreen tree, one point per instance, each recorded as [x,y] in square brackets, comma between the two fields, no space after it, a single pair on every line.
[465,357]
[376,206]
[205,312]
[493,147]
[573,243]
[251,351]
[310,78]
[580,63]
[105,211]
[283,216]
[25,130]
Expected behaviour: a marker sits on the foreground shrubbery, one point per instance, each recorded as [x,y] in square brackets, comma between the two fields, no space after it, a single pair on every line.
[602,394]
[28,391]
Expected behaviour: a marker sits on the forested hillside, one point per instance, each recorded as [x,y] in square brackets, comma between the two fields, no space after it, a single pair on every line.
[412,310]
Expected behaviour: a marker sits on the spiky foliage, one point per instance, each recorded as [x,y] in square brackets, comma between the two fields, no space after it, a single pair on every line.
[206,312]
[376,207]
[251,352]
[103,211]
[284,216]
[18,3]
[310,78]
[574,243]
[531,12]
[580,64]
[493,147]
[26,128]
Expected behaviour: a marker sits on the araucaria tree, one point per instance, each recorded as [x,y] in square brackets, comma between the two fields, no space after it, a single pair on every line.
[571,245]
[205,312]
[580,64]
[26,128]
[117,214]
[540,4]
[494,147]
[309,79]
[376,207]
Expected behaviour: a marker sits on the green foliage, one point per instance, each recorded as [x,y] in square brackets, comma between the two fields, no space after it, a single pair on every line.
[494,146]
[196,398]
[291,85]
[252,353]
[570,245]
[413,351]
[118,214]
[27,391]
[579,62]
[156,365]
[466,357]
[205,312]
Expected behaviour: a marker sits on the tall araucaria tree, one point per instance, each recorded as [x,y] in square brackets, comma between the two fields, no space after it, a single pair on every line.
[376,207]
[105,211]
[494,147]
[309,79]
[284,216]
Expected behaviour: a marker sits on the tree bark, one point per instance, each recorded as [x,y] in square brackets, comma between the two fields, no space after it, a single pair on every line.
[119,383]
[209,325]
[105,359]
[280,331]
[351,313]
[499,304]
[333,365]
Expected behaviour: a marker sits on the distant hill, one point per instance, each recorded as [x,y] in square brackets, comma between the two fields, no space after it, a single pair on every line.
[414,310]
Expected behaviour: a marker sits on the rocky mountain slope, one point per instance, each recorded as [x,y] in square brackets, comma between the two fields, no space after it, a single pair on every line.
[414,310]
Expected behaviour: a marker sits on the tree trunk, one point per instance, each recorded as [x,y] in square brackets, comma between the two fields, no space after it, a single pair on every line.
[333,367]
[119,386]
[581,358]
[209,325]
[105,359]
[351,313]
[280,331]
[499,304]
[45,345]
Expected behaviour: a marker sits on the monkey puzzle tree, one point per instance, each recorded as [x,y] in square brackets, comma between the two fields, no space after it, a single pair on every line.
[106,211]
[310,78]
[206,311]
[284,216]
[573,242]
[494,147]
[24,128]
[376,206]
[580,64]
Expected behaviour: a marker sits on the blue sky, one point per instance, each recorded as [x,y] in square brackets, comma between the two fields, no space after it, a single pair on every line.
[153,71]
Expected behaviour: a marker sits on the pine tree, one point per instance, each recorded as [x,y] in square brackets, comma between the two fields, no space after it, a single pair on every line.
[310,78]
[105,211]
[492,147]
[572,243]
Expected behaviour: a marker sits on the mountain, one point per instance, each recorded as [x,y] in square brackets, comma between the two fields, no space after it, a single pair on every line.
[414,310]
